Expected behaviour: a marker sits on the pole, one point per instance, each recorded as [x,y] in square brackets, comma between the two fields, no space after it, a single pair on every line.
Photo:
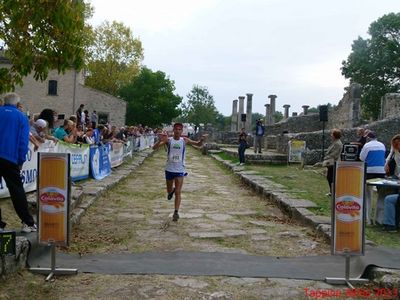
[323,141]
[74,94]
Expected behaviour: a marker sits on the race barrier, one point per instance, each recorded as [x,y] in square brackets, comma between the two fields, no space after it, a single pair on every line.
[95,161]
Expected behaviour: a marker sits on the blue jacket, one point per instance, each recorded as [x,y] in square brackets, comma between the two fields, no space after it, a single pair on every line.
[260,130]
[14,134]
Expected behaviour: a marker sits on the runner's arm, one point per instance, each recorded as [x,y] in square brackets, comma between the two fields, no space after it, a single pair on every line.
[196,143]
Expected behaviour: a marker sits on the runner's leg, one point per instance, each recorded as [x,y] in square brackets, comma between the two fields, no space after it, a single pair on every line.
[178,188]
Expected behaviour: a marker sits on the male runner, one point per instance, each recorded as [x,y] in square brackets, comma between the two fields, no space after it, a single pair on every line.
[175,168]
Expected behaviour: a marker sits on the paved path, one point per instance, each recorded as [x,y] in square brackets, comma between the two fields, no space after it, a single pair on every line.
[218,213]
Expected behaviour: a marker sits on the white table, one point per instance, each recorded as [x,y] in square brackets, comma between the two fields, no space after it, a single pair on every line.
[385,187]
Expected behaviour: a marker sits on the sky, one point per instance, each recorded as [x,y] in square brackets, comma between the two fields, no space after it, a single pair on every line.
[289,48]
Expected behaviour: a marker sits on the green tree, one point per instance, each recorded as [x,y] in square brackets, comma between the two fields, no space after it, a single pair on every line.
[39,36]
[278,116]
[151,99]
[114,57]
[199,107]
[375,63]
[222,122]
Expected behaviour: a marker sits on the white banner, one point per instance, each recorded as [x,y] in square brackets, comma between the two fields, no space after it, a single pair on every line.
[79,159]
[116,154]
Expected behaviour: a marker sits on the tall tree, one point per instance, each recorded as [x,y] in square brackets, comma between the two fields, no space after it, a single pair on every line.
[114,57]
[38,36]
[151,99]
[375,63]
[200,107]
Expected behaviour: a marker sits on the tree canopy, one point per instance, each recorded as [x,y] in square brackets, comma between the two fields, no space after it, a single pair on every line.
[151,99]
[38,36]
[199,107]
[375,63]
[114,57]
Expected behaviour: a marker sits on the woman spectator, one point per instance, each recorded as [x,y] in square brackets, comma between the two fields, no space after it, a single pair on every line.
[88,137]
[332,154]
[391,202]
[50,116]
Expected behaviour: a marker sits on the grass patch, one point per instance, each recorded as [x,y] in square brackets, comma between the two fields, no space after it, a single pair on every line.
[225,156]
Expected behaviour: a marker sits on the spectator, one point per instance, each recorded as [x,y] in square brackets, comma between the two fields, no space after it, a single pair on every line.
[121,134]
[82,121]
[74,119]
[332,154]
[392,162]
[14,139]
[258,136]
[50,116]
[67,132]
[79,112]
[38,130]
[391,202]
[242,146]
[88,137]
[94,119]
[98,134]
[373,154]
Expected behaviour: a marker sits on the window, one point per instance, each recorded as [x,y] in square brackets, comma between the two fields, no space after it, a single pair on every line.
[52,87]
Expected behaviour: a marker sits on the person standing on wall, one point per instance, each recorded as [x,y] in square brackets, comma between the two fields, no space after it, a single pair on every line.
[260,130]
[175,168]
[14,140]
[242,146]
[94,119]
[332,154]
[79,112]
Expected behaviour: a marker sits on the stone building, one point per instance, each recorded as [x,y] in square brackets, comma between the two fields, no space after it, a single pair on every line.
[65,92]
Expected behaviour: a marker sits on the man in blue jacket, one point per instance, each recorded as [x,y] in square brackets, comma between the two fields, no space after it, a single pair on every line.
[258,136]
[14,140]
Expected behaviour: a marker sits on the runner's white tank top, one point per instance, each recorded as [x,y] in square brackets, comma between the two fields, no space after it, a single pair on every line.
[176,155]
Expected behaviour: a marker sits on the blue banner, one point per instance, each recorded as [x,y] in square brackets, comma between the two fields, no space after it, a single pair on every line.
[100,165]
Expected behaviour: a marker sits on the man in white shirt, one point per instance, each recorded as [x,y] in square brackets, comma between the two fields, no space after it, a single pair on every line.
[175,168]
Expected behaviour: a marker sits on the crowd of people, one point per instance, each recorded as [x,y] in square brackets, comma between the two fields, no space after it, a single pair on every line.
[79,128]
[378,165]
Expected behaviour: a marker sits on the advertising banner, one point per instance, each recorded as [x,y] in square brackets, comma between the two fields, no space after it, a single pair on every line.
[53,191]
[116,154]
[128,148]
[100,166]
[348,220]
[296,150]
[79,159]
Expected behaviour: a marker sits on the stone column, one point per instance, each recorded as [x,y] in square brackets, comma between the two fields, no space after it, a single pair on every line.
[234,116]
[272,108]
[241,111]
[305,109]
[249,108]
[267,114]
[286,107]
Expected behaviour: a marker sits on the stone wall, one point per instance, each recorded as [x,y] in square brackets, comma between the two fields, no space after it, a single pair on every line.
[345,115]
[35,97]
[390,105]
